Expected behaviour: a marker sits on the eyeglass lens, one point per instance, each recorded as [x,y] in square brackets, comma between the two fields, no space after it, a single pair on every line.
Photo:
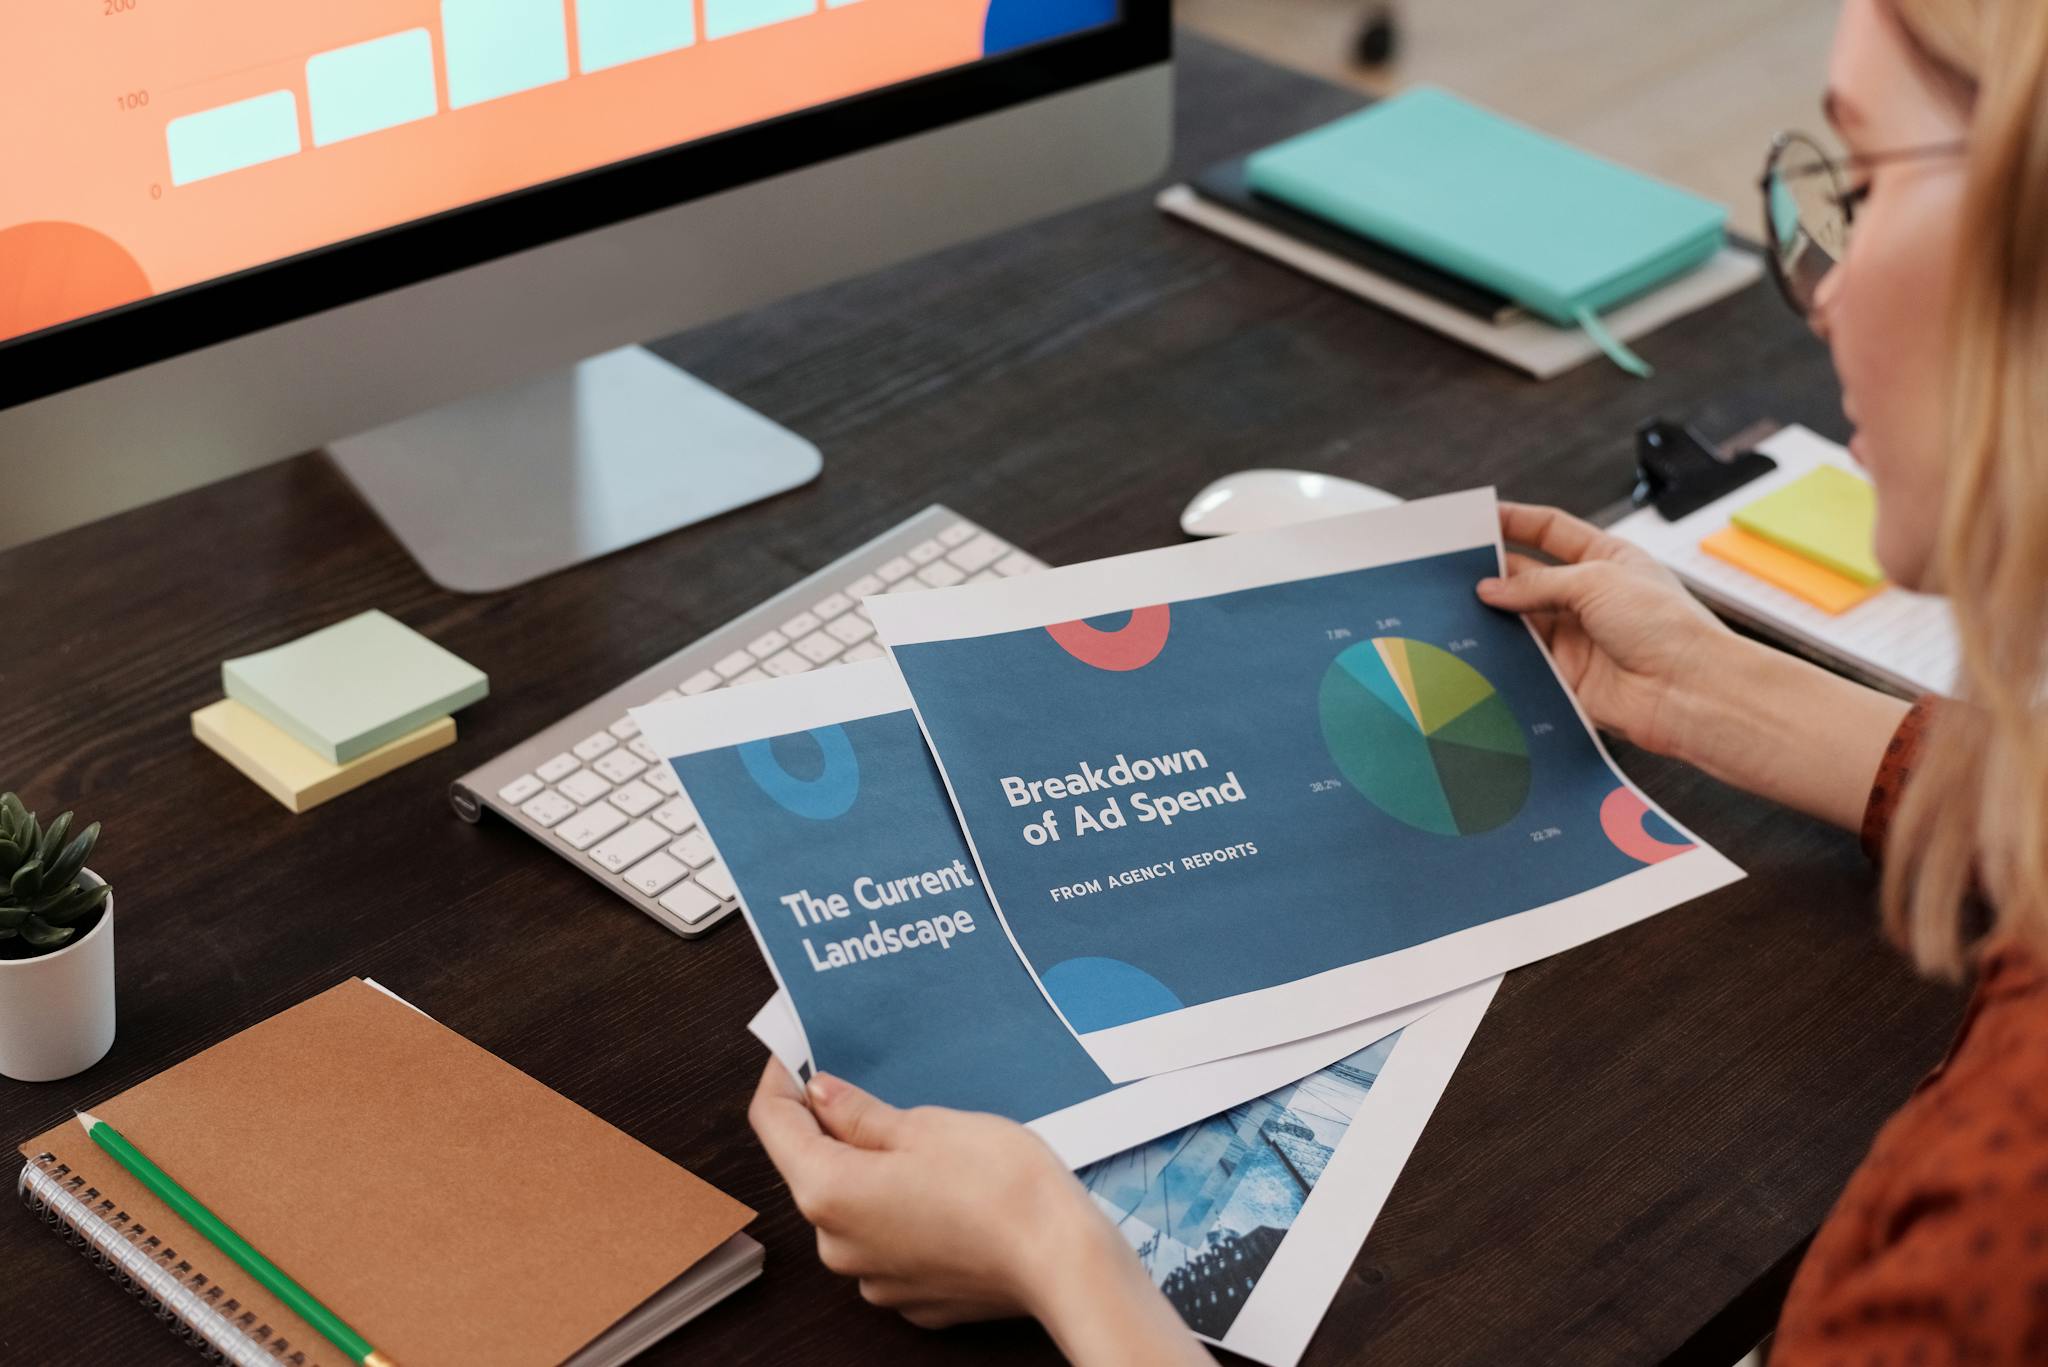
[1805,221]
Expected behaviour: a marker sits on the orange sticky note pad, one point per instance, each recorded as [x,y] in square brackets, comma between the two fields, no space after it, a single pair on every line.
[1798,576]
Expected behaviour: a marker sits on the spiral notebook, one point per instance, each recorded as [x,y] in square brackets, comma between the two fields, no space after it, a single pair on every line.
[438,1199]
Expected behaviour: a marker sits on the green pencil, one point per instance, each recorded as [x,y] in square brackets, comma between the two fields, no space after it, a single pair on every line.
[217,1232]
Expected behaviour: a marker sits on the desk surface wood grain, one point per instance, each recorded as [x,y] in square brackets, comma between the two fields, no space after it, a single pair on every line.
[1643,1128]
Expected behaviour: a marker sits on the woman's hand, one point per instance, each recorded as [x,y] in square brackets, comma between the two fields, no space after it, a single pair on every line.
[1629,640]
[949,1216]
[1650,663]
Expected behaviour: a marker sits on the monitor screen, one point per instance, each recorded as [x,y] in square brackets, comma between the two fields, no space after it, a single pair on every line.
[155,145]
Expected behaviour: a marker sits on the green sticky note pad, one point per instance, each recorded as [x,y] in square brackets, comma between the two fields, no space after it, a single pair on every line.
[1828,517]
[347,689]
[1558,230]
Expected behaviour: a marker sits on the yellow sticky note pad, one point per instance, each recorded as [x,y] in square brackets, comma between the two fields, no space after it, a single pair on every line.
[293,774]
[1826,590]
[1828,516]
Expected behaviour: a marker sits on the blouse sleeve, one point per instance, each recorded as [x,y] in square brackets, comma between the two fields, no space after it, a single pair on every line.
[1956,1287]
[1900,755]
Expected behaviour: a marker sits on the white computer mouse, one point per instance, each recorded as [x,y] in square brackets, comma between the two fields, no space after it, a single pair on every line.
[1252,500]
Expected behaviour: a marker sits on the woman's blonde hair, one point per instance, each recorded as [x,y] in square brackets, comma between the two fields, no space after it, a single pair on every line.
[1975,816]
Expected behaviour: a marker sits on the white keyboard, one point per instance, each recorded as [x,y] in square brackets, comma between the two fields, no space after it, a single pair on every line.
[593,791]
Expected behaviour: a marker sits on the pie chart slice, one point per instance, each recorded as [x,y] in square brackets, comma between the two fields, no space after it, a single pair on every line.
[1424,737]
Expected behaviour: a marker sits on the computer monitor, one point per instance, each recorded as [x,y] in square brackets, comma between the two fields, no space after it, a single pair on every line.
[425,234]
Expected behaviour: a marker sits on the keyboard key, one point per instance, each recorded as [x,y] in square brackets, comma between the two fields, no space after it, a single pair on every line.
[940,575]
[635,799]
[625,728]
[751,676]
[620,765]
[866,650]
[547,809]
[905,586]
[694,848]
[851,629]
[655,874]
[620,852]
[924,552]
[734,664]
[786,664]
[558,768]
[689,902]
[819,647]
[590,825]
[978,554]
[867,586]
[519,789]
[717,881]
[662,779]
[800,626]
[1016,562]
[957,533]
[583,787]
[828,608]
[678,814]
[670,694]
[639,745]
[986,577]
[703,681]
[892,570]
[767,645]
[590,747]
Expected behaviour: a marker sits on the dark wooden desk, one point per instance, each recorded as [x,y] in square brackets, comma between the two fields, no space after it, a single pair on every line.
[1643,1129]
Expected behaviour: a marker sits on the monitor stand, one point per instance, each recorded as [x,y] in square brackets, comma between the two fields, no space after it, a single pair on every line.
[506,486]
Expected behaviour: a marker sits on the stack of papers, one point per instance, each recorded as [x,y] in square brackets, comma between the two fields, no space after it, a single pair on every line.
[1203,862]
[325,714]
[1790,555]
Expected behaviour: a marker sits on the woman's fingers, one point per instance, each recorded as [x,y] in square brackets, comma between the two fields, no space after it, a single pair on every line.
[847,1256]
[852,1115]
[1539,588]
[893,1293]
[788,1131]
[946,1314]
[1552,531]
[924,1309]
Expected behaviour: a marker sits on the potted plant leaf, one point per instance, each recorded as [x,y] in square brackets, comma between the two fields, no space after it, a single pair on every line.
[56,948]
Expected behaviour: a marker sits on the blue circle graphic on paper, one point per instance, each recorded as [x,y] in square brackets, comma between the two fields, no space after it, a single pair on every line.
[1096,993]
[830,794]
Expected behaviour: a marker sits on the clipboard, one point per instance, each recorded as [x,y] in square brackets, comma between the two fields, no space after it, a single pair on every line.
[1687,488]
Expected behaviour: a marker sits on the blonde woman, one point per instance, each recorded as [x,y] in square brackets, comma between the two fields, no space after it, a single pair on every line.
[1921,258]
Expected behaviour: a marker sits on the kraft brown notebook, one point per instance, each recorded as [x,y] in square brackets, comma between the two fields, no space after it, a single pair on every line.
[448,1206]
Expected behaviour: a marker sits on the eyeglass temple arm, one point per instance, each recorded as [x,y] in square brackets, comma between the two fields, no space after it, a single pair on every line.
[1869,159]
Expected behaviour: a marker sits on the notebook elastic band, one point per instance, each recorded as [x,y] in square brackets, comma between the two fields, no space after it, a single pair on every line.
[1617,350]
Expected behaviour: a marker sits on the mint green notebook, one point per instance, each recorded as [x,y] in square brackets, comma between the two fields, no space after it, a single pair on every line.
[346,689]
[1558,230]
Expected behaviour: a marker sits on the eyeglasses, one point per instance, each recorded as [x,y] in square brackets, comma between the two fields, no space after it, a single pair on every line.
[1810,206]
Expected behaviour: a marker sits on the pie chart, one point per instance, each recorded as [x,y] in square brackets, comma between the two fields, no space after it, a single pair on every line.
[1423,736]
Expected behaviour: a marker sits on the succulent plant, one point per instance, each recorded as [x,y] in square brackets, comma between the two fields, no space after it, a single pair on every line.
[42,903]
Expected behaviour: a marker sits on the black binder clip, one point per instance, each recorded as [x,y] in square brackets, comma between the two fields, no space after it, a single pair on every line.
[1678,472]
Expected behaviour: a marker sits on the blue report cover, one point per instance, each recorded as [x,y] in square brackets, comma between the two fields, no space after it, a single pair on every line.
[820,796]
[1227,793]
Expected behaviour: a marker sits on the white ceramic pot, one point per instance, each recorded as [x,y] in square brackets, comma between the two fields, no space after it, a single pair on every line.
[57,1010]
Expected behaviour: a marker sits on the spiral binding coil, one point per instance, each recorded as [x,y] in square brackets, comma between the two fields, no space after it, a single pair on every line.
[195,1309]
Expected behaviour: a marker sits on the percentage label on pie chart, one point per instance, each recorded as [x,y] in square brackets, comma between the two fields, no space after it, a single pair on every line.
[1424,736]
